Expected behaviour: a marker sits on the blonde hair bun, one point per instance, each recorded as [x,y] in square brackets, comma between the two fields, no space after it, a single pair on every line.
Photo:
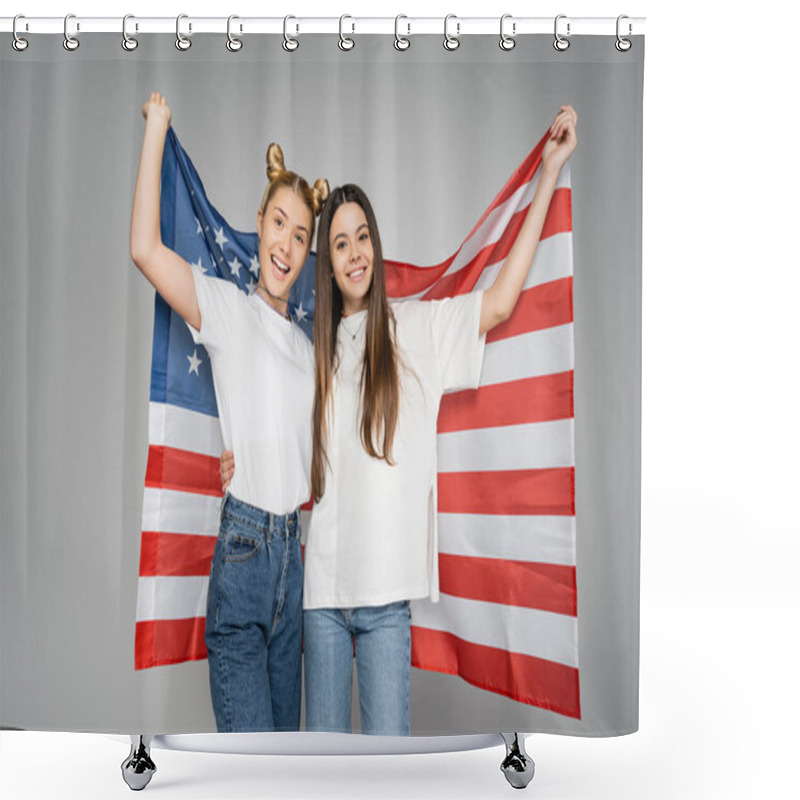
[276,166]
[278,176]
[320,193]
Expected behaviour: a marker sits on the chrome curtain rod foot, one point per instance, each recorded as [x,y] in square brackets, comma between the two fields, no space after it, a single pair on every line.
[138,768]
[517,766]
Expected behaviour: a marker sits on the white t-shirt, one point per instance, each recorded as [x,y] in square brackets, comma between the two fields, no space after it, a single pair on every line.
[263,368]
[373,535]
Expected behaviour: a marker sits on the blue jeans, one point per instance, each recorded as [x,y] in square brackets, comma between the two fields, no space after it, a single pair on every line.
[254,620]
[382,637]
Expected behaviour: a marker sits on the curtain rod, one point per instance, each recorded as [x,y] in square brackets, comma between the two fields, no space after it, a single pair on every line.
[405,26]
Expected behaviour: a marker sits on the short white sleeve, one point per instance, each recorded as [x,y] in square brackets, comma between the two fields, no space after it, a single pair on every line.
[217,300]
[455,324]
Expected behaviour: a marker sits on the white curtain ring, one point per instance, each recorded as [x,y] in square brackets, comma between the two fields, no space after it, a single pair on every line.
[18,43]
[70,42]
[401,42]
[622,44]
[507,42]
[345,42]
[181,41]
[451,42]
[129,43]
[290,44]
[233,44]
[561,43]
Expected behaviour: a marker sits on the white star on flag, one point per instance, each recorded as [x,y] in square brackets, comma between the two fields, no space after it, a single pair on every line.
[300,313]
[199,226]
[199,264]
[251,286]
[219,236]
[235,266]
[254,265]
[194,363]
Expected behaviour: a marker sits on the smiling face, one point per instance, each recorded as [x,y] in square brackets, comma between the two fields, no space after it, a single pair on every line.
[351,256]
[284,238]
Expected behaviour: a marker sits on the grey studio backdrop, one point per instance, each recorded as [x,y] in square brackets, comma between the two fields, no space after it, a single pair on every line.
[431,135]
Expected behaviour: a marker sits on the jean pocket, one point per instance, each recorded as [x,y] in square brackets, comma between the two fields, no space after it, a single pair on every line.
[240,542]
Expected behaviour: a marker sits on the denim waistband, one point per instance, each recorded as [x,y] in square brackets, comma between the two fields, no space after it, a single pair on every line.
[282,524]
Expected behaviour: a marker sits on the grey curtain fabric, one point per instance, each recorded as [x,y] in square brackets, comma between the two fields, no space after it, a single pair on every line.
[431,135]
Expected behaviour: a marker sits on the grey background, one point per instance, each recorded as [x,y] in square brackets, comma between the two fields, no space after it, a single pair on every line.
[431,136]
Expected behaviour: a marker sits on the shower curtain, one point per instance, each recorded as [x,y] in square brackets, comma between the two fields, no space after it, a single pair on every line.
[110,438]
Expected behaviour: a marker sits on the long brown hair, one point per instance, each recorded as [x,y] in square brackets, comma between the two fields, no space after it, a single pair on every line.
[379,388]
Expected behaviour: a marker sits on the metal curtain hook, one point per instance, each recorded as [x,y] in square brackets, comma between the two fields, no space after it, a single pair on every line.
[560,43]
[181,42]
[19,44]
[290,44]
[400,42]
[129,43]
[70,42]
[233,44]
[623,45]
[507,42]
[451,42]
[345,43]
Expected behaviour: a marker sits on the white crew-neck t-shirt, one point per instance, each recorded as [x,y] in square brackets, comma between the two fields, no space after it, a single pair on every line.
[373,535]
[263,368]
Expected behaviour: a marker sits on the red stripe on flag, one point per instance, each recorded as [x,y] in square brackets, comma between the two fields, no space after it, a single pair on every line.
[559,215]
[558,220]
[540,399]
[182,470]
[169,641]
[540,307]
[404,279]
[523,492]
[175,554]
[524,678]
[548,587]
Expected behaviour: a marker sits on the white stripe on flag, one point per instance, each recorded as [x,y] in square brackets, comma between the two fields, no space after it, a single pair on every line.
[544,539]
[541,634]
[168,511]
[552,262]
[528,355]
[536,445]
[173,426]
[171,598]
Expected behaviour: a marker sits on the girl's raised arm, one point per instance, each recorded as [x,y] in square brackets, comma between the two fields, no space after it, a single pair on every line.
[165,269]
[501,297]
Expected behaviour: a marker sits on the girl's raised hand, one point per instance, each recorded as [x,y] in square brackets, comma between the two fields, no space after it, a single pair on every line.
[156,108]
[563,139]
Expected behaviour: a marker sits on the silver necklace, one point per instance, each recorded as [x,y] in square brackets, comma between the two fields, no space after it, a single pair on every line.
[351,334]
[284,314]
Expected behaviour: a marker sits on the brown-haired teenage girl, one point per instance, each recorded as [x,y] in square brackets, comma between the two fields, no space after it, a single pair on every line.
[263,372]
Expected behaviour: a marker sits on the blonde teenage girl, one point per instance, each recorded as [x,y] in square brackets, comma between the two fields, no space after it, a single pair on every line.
[262,366]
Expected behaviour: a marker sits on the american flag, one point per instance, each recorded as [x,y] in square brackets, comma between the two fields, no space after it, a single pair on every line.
[507,618]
